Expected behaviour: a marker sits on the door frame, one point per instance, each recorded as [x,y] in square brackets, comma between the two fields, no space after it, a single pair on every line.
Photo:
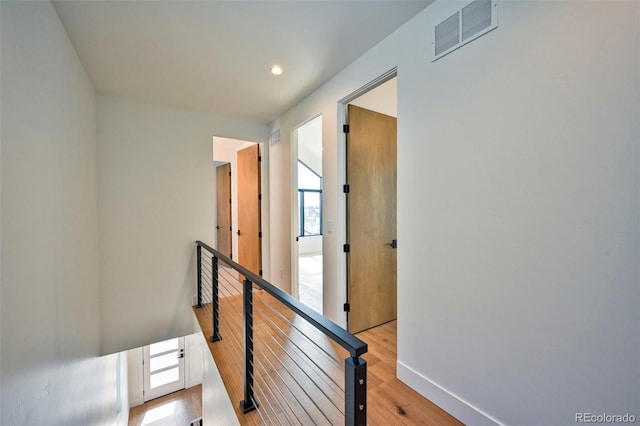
[264,149]
[295,219]
[342,288]
[147,393]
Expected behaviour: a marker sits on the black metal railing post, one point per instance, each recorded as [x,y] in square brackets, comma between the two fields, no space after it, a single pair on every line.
[355,391]
[199,262]
[249,402]
[214,296]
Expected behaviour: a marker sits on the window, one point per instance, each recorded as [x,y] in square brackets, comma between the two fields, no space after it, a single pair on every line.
[309,201]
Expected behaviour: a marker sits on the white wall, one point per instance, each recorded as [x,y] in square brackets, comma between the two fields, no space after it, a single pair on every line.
[310,144]
[217,408]
[156,198]
[310,245]
[518,206]
[135,374]
[51,372]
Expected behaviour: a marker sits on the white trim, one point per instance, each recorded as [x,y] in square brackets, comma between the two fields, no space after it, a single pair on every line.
[295,225]
[448,401]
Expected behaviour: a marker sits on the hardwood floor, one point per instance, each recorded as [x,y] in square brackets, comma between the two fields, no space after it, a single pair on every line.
[391,402]
[176,409]
[299,372]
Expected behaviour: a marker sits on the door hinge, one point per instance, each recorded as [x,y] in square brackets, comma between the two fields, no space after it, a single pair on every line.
[229,200]
[345,128]
[346,188]
[347,307]
[259,158]
[260,234]
[259,196]
[347,248]
[260,272]
[229,173]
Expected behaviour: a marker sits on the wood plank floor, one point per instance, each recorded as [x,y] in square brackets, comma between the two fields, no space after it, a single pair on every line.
[299,372]
[176,409]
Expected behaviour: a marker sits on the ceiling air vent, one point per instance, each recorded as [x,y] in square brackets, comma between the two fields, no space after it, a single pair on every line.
[475,19]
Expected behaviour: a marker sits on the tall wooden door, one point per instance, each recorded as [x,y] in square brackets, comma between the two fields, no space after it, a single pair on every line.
[223,197]
[371,218]
[249,227]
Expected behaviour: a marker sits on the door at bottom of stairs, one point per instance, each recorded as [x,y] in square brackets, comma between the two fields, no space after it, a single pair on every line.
[164,370]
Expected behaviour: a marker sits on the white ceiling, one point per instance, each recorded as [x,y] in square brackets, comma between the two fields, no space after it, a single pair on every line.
[216,55]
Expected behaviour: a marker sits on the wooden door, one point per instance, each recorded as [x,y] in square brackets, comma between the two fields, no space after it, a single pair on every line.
[371,218]
[249,232]
[223,197]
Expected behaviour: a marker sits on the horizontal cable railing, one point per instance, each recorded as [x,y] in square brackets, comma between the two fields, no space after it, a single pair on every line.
[286,360]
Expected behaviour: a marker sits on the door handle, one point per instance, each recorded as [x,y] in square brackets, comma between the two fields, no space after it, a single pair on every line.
[393,244]
[181,354]
[238,232]
[217,226]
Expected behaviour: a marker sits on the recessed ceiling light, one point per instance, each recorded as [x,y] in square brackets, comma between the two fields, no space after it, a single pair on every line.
[276,70]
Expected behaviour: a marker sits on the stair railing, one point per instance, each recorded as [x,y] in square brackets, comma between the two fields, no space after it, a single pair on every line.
[355,368]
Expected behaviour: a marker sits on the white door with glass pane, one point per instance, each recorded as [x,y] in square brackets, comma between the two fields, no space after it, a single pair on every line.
[163,368]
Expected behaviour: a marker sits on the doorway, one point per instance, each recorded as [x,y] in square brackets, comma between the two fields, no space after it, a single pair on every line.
[223,209]
[238,171]
[371,256]
[307,214]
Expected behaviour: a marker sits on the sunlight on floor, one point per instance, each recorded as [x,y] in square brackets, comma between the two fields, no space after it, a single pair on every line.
[310,281]
[159,413]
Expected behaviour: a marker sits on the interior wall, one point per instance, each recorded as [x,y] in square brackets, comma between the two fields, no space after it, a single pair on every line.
[217,408]
[50,372]
[156,198]
[310,144]
[518,206]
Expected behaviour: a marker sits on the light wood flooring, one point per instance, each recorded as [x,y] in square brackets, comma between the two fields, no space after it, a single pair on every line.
[176,409]
[299,372]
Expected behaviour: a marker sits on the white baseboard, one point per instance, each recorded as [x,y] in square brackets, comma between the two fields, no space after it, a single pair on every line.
[192,383]
[135,402]
[452,404]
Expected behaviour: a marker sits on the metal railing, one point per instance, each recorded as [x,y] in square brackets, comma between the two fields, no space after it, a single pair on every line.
[289,367]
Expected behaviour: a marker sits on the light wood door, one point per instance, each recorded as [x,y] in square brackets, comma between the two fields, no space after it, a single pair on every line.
[371,216]
[223,197]
[249,254]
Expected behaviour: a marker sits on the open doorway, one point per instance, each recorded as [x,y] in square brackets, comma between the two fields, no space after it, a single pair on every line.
[238,230]
[371,256]
[308,260]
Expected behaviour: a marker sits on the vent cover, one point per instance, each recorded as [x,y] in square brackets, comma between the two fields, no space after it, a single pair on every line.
[274,138]
[475,19]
